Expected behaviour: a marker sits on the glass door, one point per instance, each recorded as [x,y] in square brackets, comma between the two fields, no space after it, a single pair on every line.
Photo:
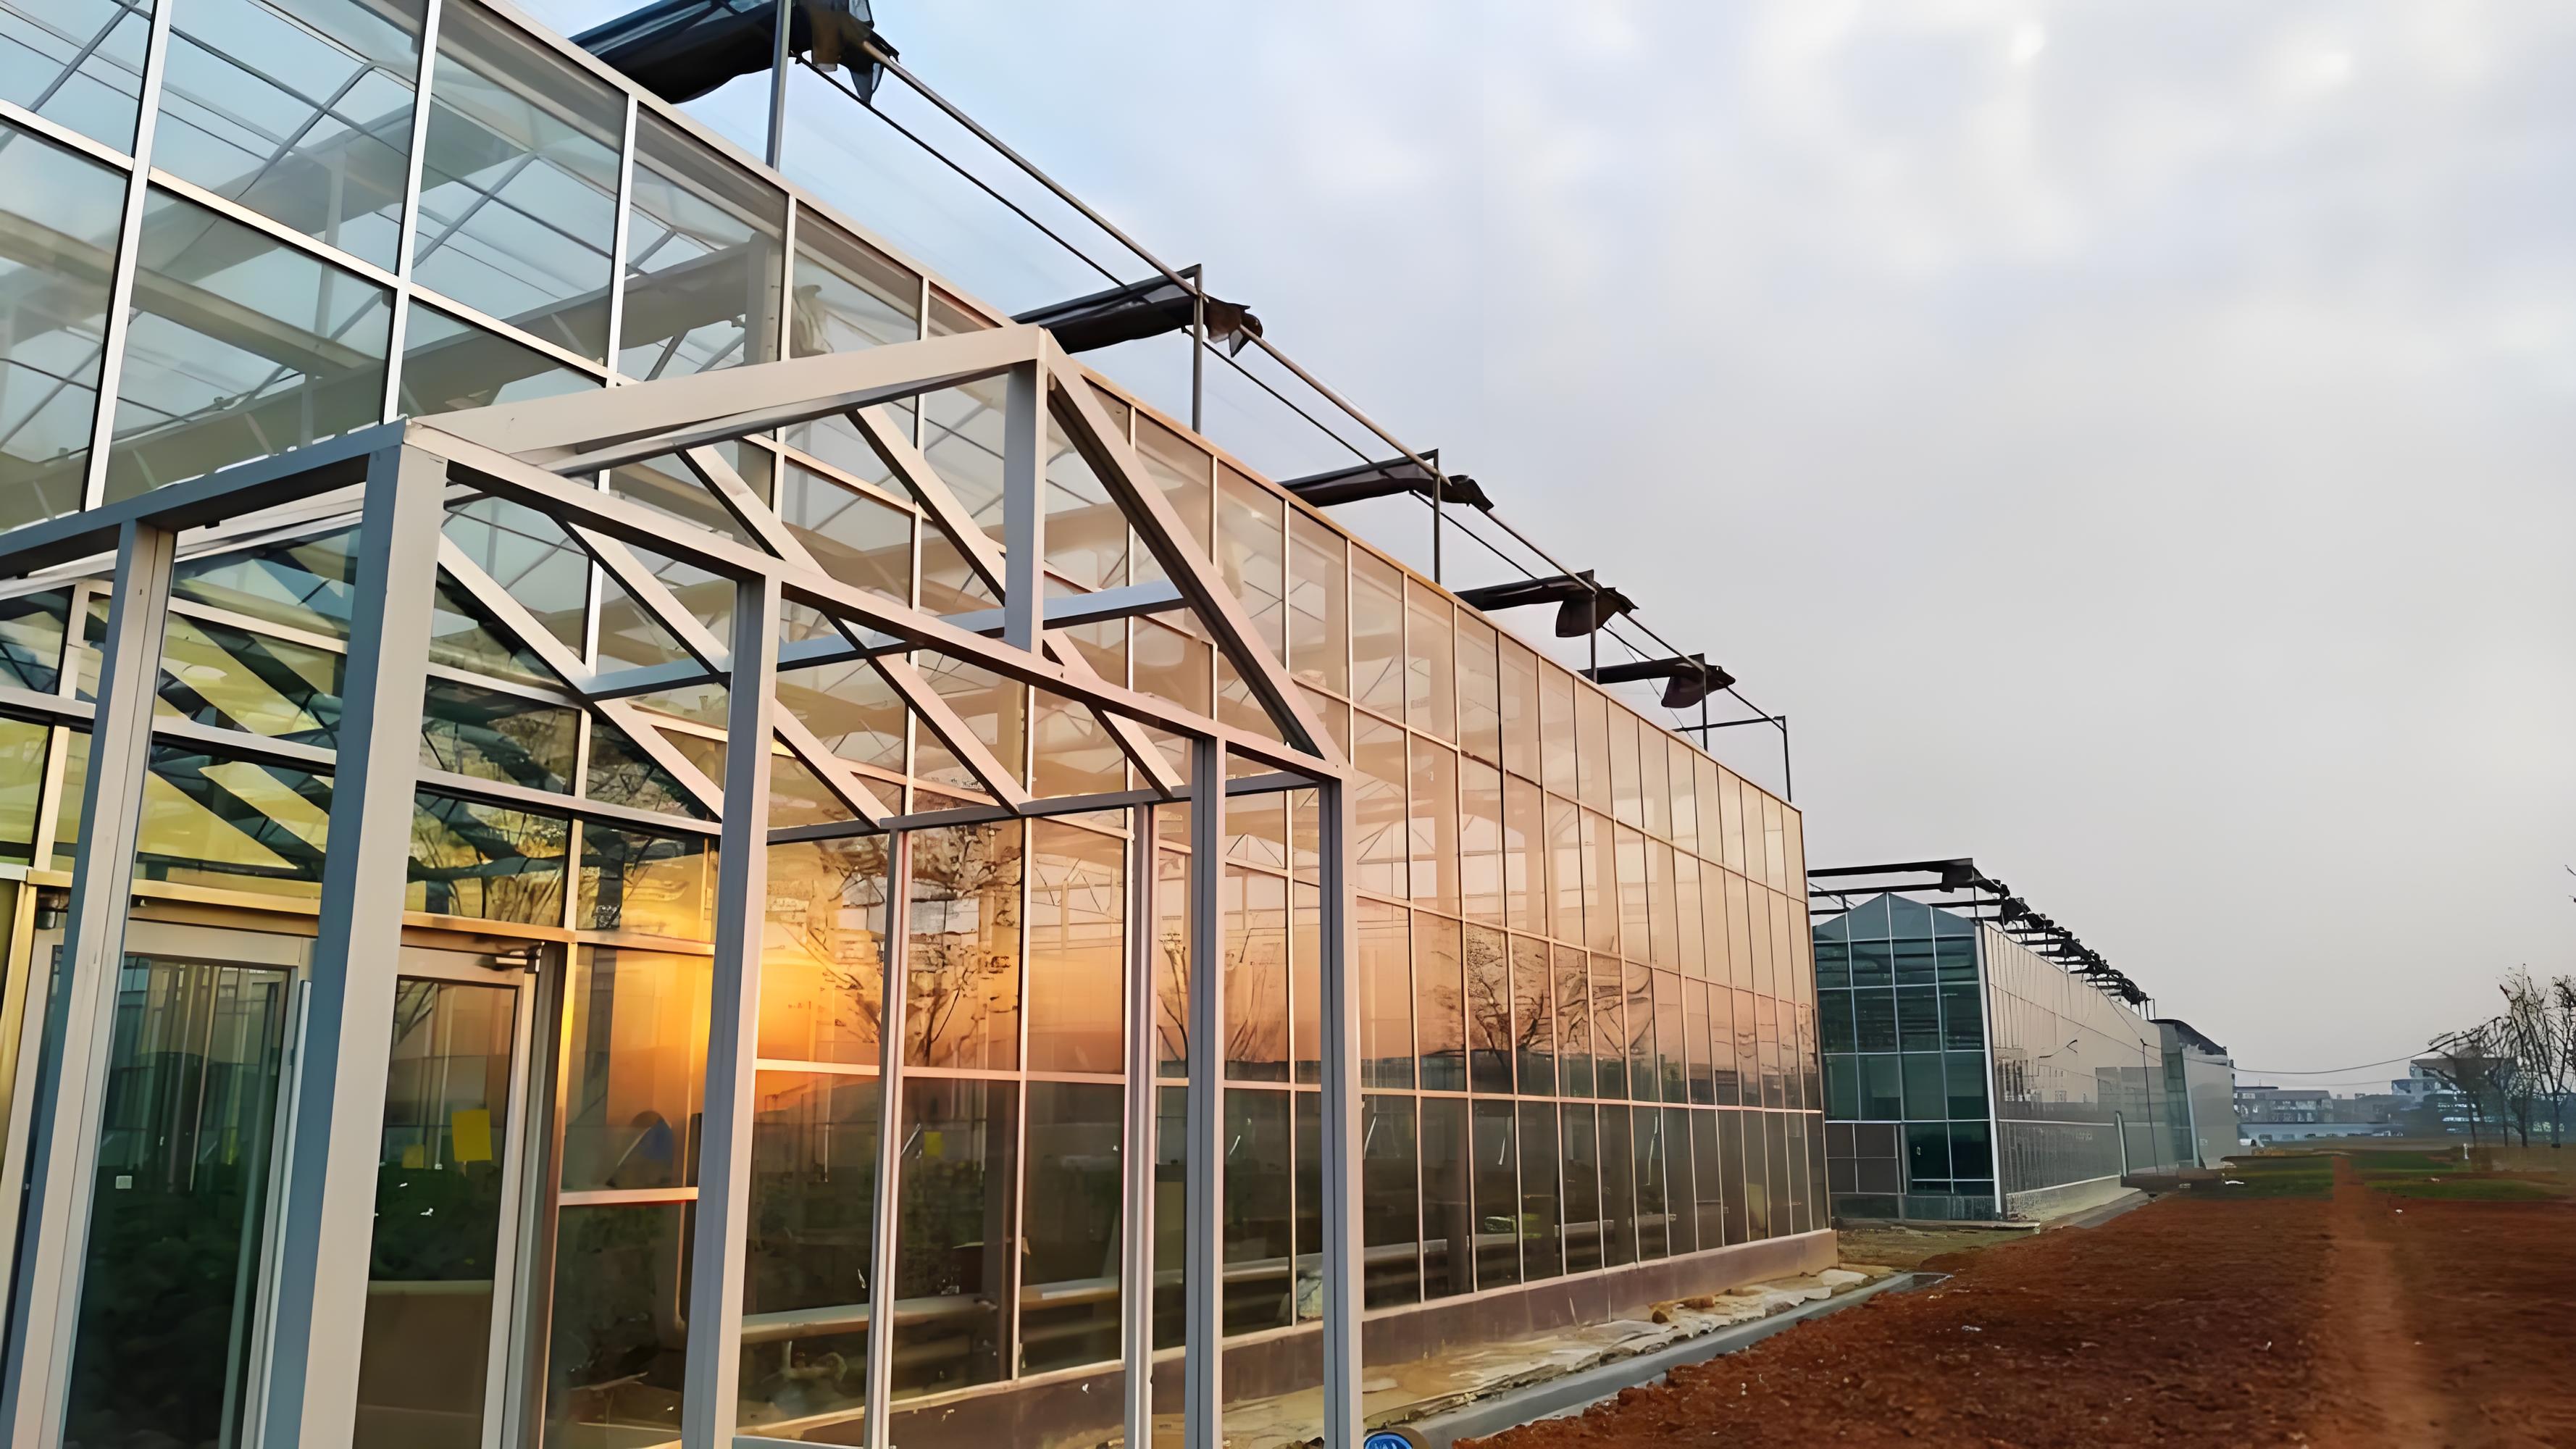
[447,1171]
[185,1160]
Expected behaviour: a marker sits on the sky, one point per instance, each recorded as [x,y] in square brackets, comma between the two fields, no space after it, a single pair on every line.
[2128,441]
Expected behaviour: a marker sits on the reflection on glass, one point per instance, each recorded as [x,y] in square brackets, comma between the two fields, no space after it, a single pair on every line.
[167,1307]
[485,862]
[1495,1177]
[1389,1206]
[1077,915]
[1580,1164]
[955,1251]
[822,964]
[239,346]
[617,1330]
[450,365]
[54,273]
[432,1266]
[1260,1284]
[297,109]
[1071,1206]
[76,62]
[1448,1214]
[637,1057]
[702,260]
[962,973]
[806,1259]
[518,186]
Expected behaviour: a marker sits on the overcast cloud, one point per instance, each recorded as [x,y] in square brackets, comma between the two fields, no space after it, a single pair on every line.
[2130,441]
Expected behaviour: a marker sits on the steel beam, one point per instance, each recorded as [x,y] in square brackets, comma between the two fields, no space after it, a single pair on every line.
[883,1241]
[711,1380]
[81,1018]
[1024,505]
[325,1218]
[1339,1000]
[1136,1286]
[1203,1270]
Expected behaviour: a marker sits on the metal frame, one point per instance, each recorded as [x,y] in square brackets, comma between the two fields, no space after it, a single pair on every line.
[543,455]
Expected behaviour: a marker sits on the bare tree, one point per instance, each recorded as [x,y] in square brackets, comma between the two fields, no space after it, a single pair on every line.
[2471,1063]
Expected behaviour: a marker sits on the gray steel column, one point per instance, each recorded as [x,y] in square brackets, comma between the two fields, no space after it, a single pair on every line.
[1340,1004]
[1136,1291]
[326,1215]
[1203,1269]
[711,1382]
[895,952]
[81,1018]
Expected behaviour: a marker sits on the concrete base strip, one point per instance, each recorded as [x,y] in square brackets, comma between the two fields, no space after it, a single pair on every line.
[1558,1398]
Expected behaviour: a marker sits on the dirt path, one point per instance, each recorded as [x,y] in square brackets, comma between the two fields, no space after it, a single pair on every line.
[2388,1369]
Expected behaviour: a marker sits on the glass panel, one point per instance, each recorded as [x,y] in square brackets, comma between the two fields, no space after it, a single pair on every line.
[1574,1021]
[1389,1201]
[518,199]
[954,1252]
[433,1269]
[962,1007]
[1708,1178]
[1378,791]
[1499,1222]
[484,862]
[1319,625]
[702,260]
[1077,915]
[1565,865]
[184,1164]
[847,297]
[54,272]
[1448,1216]
[1258,1210]
[1433,816]
[297,109]
[1386,995]
[1438,998]
[1609,1029]
[1071,1206]
[822,968]
[1618,1188]
[1491,1041]
[1430,691]
[1256,975]
[1646,1141]
[449,365]
[1181,469]
[617,1335]
[1377,634]
[635,1063]
[808,1250]
[76,62]
[1252,553]
[1481,867]
[1580,1165]
[1533,1020]
[1525,857]
[1480,719]
[239,346]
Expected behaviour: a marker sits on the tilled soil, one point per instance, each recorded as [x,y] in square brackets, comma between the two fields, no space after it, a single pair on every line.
[2272,1321]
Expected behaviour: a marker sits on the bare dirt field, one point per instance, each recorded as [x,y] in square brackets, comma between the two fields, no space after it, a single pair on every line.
[2313,1305]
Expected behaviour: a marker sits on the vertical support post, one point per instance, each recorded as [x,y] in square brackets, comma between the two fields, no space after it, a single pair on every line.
[82,1015]
[1198,346]
[778,87]
[1203,1272]
[1136,1254]
[326,1215]
[711,1381]
[1024,506]
[1340,1002]
[1439,485]
[882,1243]
[1788,782]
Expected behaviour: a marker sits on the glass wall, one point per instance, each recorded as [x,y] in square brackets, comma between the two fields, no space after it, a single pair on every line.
[1589,1023]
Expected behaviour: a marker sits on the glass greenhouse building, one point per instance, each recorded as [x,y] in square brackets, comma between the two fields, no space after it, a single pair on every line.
[1979,1066]
[925,902]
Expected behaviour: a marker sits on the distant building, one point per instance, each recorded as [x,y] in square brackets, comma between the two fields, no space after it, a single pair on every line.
[2429,1087]
[2280,1105]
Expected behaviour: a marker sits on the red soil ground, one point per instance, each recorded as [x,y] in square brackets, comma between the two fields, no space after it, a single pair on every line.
[2357,1320]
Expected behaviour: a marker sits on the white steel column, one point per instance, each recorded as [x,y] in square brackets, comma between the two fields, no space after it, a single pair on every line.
[1136,1257]
[1340,1004]
[1203,1268]
[81,1018]
[895,952]
[711,1382]
[326,1214]
[1024,508]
